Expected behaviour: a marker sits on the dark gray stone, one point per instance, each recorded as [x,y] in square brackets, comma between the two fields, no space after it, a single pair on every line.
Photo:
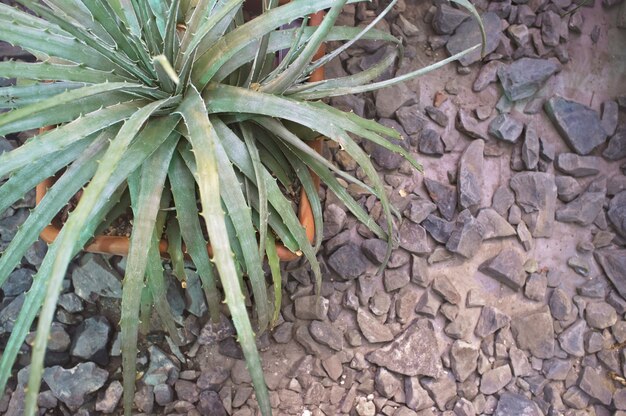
[437,116]
[411,119]
[610,114]
[535,332]
[442,390]
[617,145]
[418,209]
[371,328]
[490,320]
[415,352]
[493,224]
[71,386]
[111,397]
[583,210]
[463,359]
[467,124]
[387,383]
[388,100]
[430,143]
[311,307]
[573,337]
[90,340]
[516,404]
[617,213]
[438,228]
[95,278]
[214,332]
[530,148]
[560,304]
[579,125]
[524,77]
[416,397]
[536,286]
[507,267]
[467,237]
[567,188]
[413,238]
[613,262]
[210,403]
[468,34]
[578,166]
[488,74]
[519,362]
[600,315]
[385,158]
[448,18]
[502,200]
[8,314]
[326,334]
[420,274]
[18,282]
[496,379]
[470,175]
[550,28]
[428,304]
[506,128]
[536,195]
[348,261]
[395,279]
[161,369]
[596,386]
[375,249]
[556,369]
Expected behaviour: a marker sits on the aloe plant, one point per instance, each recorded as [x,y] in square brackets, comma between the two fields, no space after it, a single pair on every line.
[165,106]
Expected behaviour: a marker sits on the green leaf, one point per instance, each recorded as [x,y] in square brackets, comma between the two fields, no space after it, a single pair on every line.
[274,262]
[203,139]
[51,72]
[13,97]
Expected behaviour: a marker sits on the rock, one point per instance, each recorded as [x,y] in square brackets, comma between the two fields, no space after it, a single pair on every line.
[430,143]
[493,225]
[470,175]
[617,145]
[388,100]
[371,328]
[536,286]
[531,148]
[469,125]
[385,158]
[90,340]
[490,320]
[411,119]
[578,166]
[460,328]
[487,74]
[535,193]
[413,238]
[468,34]
[187,391]
[556,369]
[95,278]
[386,383]
[583,210]
[550,28]
[516,404]
[617,213]
[506,128]
[438,228]
[326,334]
[395,279]
[418,209]
[348,261]
[210,403]
[519,34]
[524,77]
[579,265]
[560,304]
[502,200]
[214,332]
[535,332]
[428,304]
[448,18]
[596,386]
[443,286]
[463,359]
[312,347]
[144,399]
[311,307]
[600,315]
[613,262]
[443,196]
[163,394]
[576,398]
[610,114]
[519,363]
[161,370]
[467,236]
[579,125]
[495,380]
[442,390]
[420,274]
[334,220]
[112,395]
[365,408]
[8,314]
[416,397]
[415,352]
[18,282]
[572,339]
[567,188]
[437,116]
[375,250]
[507,267]
[524,236]
[71,386]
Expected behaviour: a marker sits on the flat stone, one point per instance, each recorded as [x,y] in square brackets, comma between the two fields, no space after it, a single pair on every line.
[579,125]
[567,188]
[600,315]
[58,340]
[413,238]
[535,332]
[420,274]
[524,236]
[387,383]
[519,362]
[610,115]
[411,119]
[491,319]
[536,287]
[531,148]
[579,265]
[372,329]
[503,199]
[437,116]
[418,209]
[312,347]
[573,337]
[617,145]
[326,334]
[210,403]
[428,304]
[443,286]
[463,359]
[460,328]
[430,143]
[467,237]
[112,395]
[9,314]
[556,369]
[583,210]
[470,175]
[348,261]
[442,389]
[415,352]
[487,74]
[95,278]
[90,340]
[416,397]
[161,369]
[493,224]
[506,128]
[311,307]
[596,386]
[375,249]
[617,213]
[507,268]
[214,332]
[71,386]
[613,262]
[576,398]
[560,304]
[388,100]
[448,18]
[467,124]
[496,379]
[516,404]
[444,196]
[524,77]
[550,28]
[18,282]
[535,194]
[578,166]
[438,228]
[468,34]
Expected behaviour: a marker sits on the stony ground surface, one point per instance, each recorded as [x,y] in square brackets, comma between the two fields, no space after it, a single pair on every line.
[506,293]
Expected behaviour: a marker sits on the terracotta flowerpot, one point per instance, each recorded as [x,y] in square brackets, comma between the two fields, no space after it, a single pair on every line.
[117,245]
